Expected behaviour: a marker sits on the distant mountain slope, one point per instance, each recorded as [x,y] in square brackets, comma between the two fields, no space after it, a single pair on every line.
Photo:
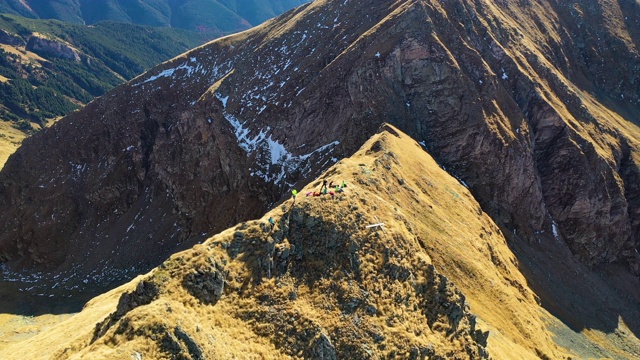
[119,51]
[209,16]
[436,280]
[48,68]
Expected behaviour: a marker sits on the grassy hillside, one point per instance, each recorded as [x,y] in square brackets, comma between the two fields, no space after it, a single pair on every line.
[38,85]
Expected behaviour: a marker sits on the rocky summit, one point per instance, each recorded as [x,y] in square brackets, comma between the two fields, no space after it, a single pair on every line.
[533,105]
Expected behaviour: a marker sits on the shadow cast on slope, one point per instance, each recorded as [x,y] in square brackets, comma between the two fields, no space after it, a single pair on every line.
[582,299]
[17,302]
[48,296]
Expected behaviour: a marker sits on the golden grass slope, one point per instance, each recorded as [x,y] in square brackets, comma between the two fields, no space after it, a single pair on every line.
[320,284]
[10,139]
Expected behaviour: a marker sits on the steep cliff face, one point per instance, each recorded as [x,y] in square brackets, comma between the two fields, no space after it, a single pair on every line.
[530,104]
[10,39]
[44,46]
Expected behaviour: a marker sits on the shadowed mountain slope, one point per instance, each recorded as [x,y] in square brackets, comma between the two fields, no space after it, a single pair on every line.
[436,281]
[532,105]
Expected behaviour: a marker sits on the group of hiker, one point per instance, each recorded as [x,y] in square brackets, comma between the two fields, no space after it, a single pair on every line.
[325,189]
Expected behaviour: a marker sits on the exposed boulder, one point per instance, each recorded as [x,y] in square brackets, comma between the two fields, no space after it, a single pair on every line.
[145,293]
[206,282]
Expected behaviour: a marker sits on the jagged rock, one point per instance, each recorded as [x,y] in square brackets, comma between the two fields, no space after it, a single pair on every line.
[444,304]
[179,345]
[206,283]
[194,350]
[145,293]
[55,48]
[323,349]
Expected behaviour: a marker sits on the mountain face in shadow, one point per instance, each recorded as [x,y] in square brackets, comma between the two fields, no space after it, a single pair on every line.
[531,105]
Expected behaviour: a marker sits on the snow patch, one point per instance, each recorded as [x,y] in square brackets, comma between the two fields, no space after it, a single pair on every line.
[277,151]
[554,229]
[274,162]
[224,100]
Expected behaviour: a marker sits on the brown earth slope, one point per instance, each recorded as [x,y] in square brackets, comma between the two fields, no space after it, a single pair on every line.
[433,282]
[534,105]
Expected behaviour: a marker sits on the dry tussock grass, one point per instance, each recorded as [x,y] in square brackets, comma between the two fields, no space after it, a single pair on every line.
[321,274]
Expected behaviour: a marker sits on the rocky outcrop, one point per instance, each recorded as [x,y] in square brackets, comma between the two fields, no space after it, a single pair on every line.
[507,102]
[206,283]
[10,39]
[145,293]
[47,47]
[181,345]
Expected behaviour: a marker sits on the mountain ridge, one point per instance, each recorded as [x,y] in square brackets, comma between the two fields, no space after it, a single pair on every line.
[518,208]
[206,130]
[65,65]
[312,278]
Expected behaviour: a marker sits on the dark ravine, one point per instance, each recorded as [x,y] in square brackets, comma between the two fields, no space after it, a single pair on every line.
[514,101]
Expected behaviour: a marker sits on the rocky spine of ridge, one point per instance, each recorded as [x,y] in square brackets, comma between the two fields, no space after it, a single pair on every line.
[514,100]
[313,279]
[317,284]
